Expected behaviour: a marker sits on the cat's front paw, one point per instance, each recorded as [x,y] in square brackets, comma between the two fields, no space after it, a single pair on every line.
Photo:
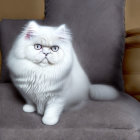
[28,108]
[48,120]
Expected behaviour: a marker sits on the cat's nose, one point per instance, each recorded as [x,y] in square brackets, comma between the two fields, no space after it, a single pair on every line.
[45,53]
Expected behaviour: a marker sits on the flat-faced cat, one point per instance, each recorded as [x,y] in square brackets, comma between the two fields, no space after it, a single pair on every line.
[44,68]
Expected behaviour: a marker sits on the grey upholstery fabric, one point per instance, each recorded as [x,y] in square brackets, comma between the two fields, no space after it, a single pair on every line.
[98,34]
[9,29]
[114,120]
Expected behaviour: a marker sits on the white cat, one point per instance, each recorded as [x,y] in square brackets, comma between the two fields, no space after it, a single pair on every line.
[45,69]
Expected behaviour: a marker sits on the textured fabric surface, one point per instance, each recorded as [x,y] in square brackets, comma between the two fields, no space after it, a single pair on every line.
[9,29]
[114,120]
[25,9]
[98,34]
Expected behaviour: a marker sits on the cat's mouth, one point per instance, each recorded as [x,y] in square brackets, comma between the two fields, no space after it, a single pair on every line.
[44,61]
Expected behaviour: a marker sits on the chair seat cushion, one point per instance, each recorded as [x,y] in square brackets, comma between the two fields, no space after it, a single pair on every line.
[115,120]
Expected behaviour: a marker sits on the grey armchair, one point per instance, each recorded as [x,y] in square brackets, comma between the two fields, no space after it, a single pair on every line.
[98,38]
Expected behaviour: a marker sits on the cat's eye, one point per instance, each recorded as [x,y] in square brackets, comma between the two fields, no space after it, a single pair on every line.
[37,46]
[55,48]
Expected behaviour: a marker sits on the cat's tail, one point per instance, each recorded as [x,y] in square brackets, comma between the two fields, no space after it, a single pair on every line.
[103,92]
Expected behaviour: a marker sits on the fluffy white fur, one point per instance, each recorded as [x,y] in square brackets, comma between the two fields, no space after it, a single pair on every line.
[51,81]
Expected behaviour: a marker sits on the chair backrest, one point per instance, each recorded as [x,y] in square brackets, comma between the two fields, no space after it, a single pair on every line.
[98,32]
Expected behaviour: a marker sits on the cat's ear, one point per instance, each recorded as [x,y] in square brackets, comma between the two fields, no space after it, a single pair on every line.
[30,29]
[63,32]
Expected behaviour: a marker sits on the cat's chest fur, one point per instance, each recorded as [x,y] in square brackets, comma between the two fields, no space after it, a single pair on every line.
[38,82]
[39,85]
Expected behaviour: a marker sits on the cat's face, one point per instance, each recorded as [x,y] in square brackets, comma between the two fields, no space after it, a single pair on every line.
[44,45]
